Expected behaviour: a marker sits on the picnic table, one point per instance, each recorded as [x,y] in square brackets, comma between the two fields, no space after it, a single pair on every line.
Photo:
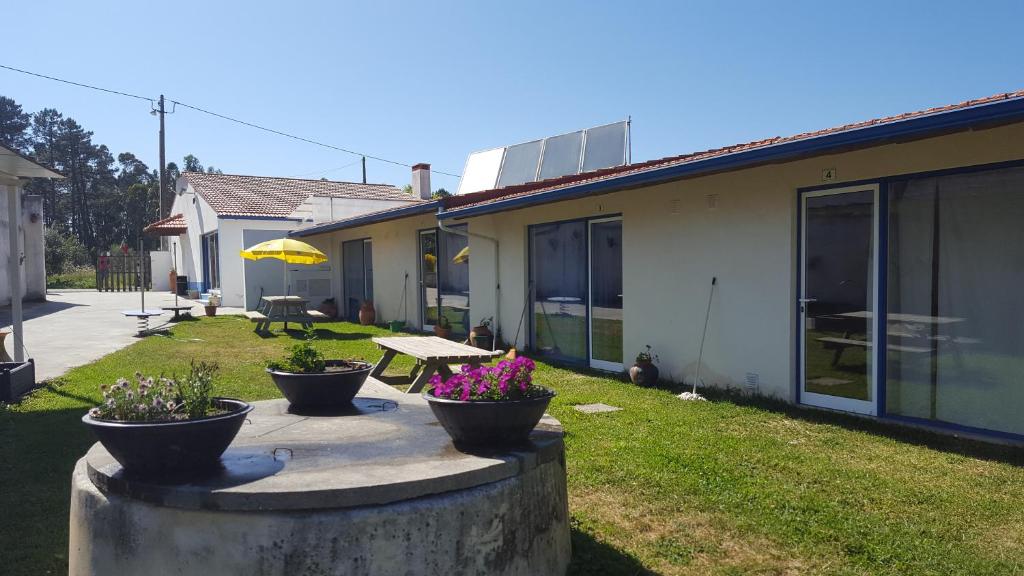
[432,354]
[283,309]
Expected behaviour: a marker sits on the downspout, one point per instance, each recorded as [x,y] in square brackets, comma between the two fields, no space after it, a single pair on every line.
[497,271]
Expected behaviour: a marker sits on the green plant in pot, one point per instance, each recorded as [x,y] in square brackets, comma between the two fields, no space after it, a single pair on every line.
[481,335]
[644,372]
[443,328]
[308,380]
[171,427]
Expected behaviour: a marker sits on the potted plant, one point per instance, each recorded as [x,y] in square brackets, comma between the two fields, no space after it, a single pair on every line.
[329,308]
[308,380]
[644,372]
[443,328]
[489,406]
[212,303]
[167,426]
[481,335]
[367,313]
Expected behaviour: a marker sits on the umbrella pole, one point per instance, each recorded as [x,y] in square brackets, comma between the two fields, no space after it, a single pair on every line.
[287,293]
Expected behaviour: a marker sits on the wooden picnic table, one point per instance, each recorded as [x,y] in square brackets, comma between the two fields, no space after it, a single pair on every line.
[283,309]
[432,354]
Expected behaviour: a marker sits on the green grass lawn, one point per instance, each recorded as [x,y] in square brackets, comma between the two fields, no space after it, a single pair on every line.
[730,486]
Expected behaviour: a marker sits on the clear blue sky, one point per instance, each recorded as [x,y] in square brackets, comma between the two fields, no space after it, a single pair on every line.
[431,82]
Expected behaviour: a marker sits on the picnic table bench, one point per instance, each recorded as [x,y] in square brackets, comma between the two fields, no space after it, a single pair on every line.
[432,354]
[283,309]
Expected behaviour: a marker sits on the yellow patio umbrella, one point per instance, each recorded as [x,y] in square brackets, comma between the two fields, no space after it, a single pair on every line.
[288,250]
[462,257]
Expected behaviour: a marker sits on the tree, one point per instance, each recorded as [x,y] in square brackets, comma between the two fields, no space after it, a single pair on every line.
[440,193]
[14,125]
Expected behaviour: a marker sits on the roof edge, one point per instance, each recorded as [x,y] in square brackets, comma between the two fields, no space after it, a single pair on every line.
[920,126]
[370,218]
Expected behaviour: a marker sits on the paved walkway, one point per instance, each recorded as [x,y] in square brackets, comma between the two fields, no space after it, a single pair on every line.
[75,327]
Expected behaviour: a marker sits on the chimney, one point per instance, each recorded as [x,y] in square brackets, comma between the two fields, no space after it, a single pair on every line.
[421,181]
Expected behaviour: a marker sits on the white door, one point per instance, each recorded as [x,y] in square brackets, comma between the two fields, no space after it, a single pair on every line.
[838,299]
[605,301]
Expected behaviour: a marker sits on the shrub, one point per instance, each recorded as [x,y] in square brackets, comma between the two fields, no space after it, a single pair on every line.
[64,253]
[302,358]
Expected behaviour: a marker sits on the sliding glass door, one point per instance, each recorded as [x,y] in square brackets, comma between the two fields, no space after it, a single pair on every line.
[357,276]
[576,292]
[955,309]
[429,301]
[606,294]
[839,299]
[453,281]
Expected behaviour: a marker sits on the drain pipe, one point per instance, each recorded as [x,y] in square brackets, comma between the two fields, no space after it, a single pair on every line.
[497,273]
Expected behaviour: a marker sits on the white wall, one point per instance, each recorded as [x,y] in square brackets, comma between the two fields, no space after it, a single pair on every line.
[395,253]
[33,276]
[674,243]
[320,209]
[230,243]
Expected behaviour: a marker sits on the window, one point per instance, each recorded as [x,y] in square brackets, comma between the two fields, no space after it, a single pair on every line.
[444,279]
[357,272]
[955,309]
[211,254]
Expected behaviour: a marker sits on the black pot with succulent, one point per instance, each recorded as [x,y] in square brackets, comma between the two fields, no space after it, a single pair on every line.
[644,372]
[167,427]
[308,380]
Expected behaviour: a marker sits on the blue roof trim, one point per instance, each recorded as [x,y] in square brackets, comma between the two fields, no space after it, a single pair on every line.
[372,218]
[920,126]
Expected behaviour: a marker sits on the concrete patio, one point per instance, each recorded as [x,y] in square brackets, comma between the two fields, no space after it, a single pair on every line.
[75,327]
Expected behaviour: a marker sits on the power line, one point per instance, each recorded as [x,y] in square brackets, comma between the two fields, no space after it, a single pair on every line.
[223,117]
[327,170]
[301,139]
[91,87]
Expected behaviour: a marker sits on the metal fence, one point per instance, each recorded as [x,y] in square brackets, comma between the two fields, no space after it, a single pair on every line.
[124,273]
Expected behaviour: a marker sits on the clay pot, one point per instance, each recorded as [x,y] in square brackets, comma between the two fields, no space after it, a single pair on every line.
[211,310]
[481,337]
[172,278]
[644,374]
[442,332]
[367,314]
[329,308]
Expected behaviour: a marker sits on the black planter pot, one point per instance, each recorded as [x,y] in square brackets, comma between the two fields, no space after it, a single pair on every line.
[489,423]
[322,390]
[171,448]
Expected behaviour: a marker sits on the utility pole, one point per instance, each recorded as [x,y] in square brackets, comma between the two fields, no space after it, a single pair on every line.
[364,169]
[161,111]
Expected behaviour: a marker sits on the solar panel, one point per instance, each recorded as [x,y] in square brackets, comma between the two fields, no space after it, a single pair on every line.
[481,171]
[520,164]
[561,155]
[605,147]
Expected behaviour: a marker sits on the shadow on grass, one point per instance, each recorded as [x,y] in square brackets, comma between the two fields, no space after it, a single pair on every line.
[908,434]
[593,557]
[321,334]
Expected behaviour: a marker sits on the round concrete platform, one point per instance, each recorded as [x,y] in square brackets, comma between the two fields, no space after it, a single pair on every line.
[378,489]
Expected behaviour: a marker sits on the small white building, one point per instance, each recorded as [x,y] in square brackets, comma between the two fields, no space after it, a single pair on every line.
[215,216]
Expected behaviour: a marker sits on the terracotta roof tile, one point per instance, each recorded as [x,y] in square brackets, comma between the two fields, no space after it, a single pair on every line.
[236,195]
[530,188]
[171,226]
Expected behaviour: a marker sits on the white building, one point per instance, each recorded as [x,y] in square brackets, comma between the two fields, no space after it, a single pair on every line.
[215,216]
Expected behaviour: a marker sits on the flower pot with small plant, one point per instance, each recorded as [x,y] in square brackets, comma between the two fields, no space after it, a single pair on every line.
[481,335]
[329,308]
[367,313]
[308,380]
[489,406]
[167,427]
[443,328]
[644,372]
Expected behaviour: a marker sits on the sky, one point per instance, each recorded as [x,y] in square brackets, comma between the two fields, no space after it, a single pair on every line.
[434,81]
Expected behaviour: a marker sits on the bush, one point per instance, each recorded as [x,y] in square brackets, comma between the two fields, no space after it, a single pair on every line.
[84,277]
[64,253]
